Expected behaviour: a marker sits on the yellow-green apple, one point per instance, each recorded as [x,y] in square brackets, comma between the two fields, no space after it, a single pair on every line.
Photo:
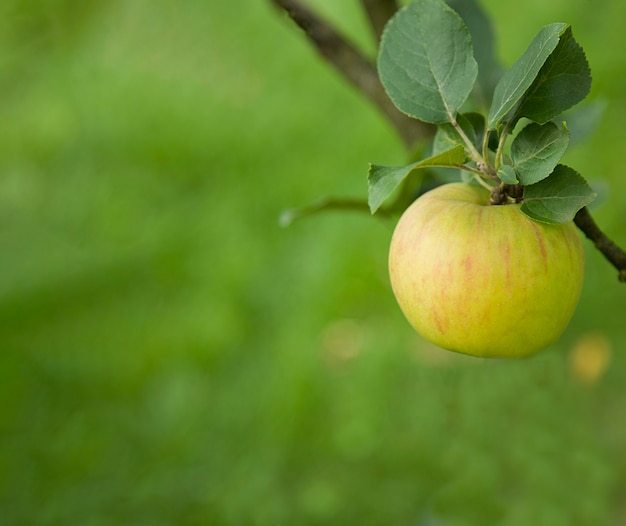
[483,279]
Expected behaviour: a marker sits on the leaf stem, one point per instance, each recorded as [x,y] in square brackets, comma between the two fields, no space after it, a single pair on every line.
[481,181]
[500,151]
[471,169]
[486,143]
[474,153]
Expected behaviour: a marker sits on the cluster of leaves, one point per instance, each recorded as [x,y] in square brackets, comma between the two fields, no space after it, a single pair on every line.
[427,65]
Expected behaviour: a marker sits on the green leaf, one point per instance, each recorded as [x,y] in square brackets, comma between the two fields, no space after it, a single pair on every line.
[383,180]
[480,28]
[557,198]
[516,81]
[507,174]
[563,81]
[426,61]
[537,149]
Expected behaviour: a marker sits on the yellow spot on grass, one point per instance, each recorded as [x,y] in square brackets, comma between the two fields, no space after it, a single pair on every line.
[342,342]
[589,358]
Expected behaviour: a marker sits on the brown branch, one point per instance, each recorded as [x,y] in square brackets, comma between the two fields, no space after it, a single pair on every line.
[361,72]
[379,12]
[355,67]
[614,254]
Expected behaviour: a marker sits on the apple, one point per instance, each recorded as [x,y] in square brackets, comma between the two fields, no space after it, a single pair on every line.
[481,279]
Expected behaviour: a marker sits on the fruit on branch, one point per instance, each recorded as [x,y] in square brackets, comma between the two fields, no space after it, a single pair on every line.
[484,280]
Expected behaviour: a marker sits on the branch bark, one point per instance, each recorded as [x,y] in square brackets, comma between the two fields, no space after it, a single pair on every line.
[361,73]
[379,12]
[355,67]
[614,254]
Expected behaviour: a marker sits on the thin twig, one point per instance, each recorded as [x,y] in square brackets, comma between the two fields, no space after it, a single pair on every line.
[355,67]
[614,254]
[325,204]
[378,13]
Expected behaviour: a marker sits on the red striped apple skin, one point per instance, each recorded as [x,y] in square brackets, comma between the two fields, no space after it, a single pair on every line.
[484,280]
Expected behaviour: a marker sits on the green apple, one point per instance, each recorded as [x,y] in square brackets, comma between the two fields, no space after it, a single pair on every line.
[482,279]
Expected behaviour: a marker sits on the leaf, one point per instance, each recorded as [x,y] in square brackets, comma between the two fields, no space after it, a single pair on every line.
[537,149]
[507,174]
[383,180]
[563,81]
[557,198]
[516,81]
[426,61]
[480,28]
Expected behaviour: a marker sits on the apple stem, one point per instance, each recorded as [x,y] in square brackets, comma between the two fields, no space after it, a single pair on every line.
[498,195]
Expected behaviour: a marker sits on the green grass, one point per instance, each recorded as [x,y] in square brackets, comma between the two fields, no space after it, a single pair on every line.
[170,355]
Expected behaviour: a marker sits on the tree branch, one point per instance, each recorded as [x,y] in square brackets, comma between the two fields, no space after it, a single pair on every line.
[614,254]
[379,12]
[361,72]
[355,67]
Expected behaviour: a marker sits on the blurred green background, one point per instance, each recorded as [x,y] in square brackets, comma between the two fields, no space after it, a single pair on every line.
[170,355]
